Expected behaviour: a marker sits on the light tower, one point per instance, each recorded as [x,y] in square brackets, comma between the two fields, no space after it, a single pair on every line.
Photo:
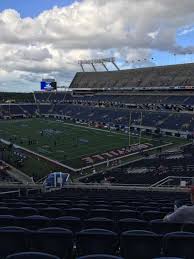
[102,61]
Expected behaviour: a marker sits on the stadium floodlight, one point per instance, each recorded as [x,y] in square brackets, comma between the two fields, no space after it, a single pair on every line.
[101,61]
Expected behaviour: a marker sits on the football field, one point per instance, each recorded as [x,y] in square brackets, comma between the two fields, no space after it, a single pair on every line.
[65,143]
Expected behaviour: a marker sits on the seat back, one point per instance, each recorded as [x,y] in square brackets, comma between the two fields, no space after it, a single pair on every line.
[13,240]
[72,223]
[96,241]
[132,224]
[161,227]
[140,244]
[102,223]
[179,244]
[99,256]
[34,222]
[56,241]
[31,255]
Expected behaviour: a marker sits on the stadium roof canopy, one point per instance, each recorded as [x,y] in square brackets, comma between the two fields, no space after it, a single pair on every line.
[174,76]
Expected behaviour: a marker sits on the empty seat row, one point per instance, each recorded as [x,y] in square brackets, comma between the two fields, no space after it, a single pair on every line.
[135,244]
[38,255]
[76,224]
[53,212]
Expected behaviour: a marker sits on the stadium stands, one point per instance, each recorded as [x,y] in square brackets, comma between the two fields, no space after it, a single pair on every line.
[6,97]
[166,76]
[117,117]
[146,172]
[26,228]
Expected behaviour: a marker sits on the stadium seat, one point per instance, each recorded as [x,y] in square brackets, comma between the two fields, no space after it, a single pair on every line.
[31,255]
[179,244]
[160,227]
[96,241]
[125,207]
[168,258]
[77,212]
[132,224]
[151,215]
[40,205]
[82,206]
[188,227]
[18,204]
[117,203]
[102,223]
[124,214]
[33,222]
[140,244]
[13,240]
[102,206]
[7,220]
[62,205]
[23,211]
[56,241]
[72,223]
[145,208]
[4,211]
[99,256]
[51,212]
[101,213]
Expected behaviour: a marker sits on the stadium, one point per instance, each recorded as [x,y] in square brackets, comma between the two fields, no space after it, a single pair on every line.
[120,146]
[103,168]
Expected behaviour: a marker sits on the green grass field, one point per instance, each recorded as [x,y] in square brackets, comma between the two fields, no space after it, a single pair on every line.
[61,141]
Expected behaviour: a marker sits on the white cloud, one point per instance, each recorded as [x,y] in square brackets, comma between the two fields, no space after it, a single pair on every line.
[186,30]
[51,43]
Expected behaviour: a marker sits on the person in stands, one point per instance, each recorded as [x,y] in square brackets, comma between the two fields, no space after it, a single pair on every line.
[182,213]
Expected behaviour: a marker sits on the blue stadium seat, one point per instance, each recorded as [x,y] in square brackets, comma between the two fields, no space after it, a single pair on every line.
[77,212]
[72,223]
[102,206]
[56,241]
[101,213]
[132,224]
[140,244]
[124,214]
[168,258]
[151,215]
[82,206]
[179,244]
[40,205]
[23,211]
[99,256]
[18,204]
[4,211]
[31,255]
[13,240]
[117,203]
[51,212]
[62,205]
[102,223]
[188,227]
[96,241]
[7,220]
[160,227]
[125,207]
[33,222]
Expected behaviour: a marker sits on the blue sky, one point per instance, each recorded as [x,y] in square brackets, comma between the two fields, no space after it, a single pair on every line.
[32,7]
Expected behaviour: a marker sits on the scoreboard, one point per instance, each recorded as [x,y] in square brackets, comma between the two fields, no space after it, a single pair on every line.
[48,85]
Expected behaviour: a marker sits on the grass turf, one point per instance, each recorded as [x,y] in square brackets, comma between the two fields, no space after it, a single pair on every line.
[63,142]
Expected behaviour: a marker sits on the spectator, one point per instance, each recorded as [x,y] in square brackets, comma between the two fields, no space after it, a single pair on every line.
[183,213]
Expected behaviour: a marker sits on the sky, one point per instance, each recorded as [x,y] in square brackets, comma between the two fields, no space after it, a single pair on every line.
[46,38]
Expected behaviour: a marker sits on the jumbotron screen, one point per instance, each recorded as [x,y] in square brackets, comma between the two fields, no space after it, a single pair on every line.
[48,85]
